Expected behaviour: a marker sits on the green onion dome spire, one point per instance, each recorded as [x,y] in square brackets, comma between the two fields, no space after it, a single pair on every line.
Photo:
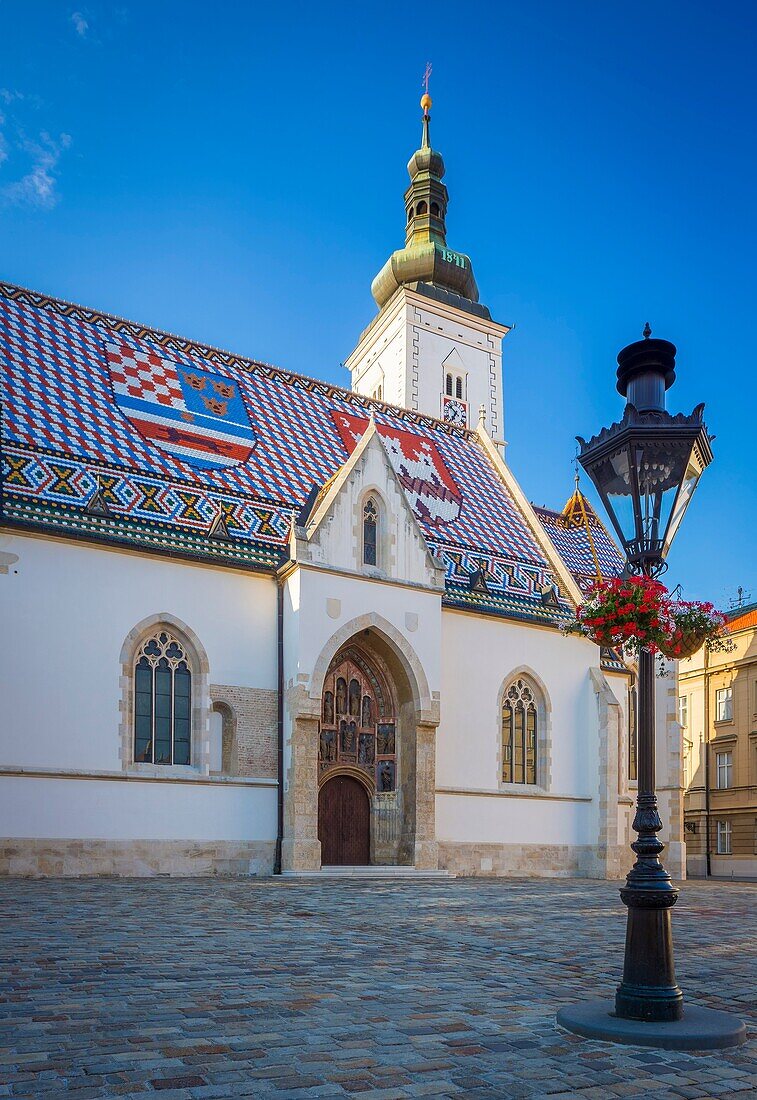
[426,257]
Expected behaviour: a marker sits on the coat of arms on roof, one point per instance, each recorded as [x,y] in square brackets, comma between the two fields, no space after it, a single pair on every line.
[430,487]
[195,415]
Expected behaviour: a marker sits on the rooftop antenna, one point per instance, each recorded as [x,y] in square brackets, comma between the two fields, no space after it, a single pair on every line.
[742,598]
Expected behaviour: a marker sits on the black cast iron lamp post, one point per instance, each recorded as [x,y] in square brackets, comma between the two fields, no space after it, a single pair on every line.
[646,468]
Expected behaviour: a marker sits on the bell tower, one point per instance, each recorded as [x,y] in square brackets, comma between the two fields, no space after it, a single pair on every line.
[433,347]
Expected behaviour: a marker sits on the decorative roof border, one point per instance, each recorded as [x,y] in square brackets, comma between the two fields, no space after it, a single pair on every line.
[154,538]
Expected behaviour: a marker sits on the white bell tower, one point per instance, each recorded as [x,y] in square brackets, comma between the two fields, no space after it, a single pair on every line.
[433,347]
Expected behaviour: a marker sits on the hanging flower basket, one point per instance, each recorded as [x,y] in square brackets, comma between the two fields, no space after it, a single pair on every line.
[638,613]
[692,625]
[629,614]
[680,645]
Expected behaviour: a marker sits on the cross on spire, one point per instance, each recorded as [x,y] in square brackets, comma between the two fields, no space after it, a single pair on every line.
[427,76]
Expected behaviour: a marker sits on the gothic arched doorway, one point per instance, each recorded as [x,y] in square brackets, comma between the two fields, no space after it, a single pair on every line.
[344,822]
[357,743]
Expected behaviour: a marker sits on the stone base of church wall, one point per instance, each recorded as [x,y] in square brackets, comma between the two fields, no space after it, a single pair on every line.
[527,860]
[41,858]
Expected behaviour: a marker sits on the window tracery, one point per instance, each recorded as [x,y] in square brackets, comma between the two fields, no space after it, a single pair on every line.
[519,734]
[162,701]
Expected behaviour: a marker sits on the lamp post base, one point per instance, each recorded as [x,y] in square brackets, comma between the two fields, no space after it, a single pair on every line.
[698,1028]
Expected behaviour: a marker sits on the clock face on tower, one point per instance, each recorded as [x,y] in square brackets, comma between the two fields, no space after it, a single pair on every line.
[454,411]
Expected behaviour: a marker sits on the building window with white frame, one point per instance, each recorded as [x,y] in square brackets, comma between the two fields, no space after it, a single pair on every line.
[725,830]
[162,702]
[370,532]
[724,761]
[683,710]
[724,705]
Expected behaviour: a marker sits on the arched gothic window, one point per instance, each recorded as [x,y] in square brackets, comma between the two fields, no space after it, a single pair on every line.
[448,385]
[519,734]
[422,207]
[370,532]
[162,702]
[435,209]
[458,387]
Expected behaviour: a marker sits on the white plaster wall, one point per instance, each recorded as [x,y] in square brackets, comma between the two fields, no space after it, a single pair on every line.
[65,614]
[384,360]
[507,820]
[117,810]
[406,350]
[435,340]
[320,603]
[478,655]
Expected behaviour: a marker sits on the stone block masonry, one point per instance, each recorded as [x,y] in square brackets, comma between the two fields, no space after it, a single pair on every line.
[55,858]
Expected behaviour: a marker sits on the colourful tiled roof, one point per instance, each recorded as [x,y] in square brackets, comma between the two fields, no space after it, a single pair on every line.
[117,432]
[581,542]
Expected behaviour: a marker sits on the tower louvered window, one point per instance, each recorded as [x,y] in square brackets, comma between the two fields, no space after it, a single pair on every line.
[162,702]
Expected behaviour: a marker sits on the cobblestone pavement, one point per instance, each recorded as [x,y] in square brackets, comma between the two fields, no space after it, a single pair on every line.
[224,988]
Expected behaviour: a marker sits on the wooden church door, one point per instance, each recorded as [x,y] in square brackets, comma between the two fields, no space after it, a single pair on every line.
[344,822]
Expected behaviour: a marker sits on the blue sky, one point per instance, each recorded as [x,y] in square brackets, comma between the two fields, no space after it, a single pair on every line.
[234,172]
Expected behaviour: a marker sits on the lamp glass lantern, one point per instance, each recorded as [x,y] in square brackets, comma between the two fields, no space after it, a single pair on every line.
[646,467]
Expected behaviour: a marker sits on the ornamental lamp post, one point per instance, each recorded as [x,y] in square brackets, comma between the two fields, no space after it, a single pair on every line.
[645,469]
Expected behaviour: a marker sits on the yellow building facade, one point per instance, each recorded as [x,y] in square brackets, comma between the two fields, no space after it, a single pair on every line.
[717,711]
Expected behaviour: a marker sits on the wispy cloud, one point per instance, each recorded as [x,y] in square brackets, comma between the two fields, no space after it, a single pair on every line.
[37,187]
[81,26]
[31,161]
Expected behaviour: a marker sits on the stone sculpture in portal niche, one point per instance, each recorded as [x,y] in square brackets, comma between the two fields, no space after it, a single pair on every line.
[348,736]
[385,736]
[328,708]
[386,776]
[328,747]
[341,696]
[354,701]
[365,752]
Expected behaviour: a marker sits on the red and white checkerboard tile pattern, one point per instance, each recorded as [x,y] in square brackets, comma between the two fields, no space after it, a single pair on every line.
[144,374]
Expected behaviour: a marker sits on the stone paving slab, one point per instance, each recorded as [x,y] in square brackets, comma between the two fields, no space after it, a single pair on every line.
[200,989]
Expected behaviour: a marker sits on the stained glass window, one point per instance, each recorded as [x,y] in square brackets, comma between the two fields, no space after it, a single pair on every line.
[519,734]
[162,702]
[370,540]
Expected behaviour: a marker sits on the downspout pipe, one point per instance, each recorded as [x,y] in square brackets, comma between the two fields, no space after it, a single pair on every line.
[279,723]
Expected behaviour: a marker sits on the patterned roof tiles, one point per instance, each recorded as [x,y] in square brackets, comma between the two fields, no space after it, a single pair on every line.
[116,432]
[570,538]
